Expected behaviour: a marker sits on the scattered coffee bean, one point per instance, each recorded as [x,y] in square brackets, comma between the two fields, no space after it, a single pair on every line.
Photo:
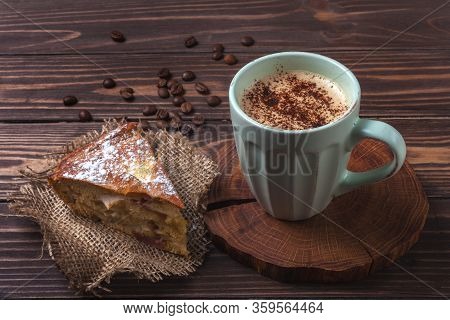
[247,41]
[177,89]
[187,130]
[145,125]
[164,73]
[84,115]
[213,101]
[178,101]
[171,82]
[230,59]
[175,123]
[127,94]
[186,107]
[188,76]
[190,42]
[174,114]
[161,83]
[201,88]
[70,100]
[162,124]
[117,36]
[163,93]
[218,48]
[162,114]
[217,55]
[198,119]
[109,83]
[149,110]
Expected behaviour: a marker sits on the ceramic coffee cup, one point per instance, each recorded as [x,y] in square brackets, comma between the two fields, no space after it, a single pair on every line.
[294,174]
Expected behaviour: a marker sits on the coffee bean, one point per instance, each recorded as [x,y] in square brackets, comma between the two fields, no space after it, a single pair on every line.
[217,55]
[218,48]
[145,125]
[175,123]
[213,101]
[84,115]
[174,114]
[188,76]
[161,83]
[164,73]
[163,93]
[198,119]
[171,82]
[178,101]
[247,41]
[186,107]
[201,88]
[127,94]
[190,42]
[117,36]
[162,124]
[186,130]
[230,59]
[177,89]
[162,114]
[149,110]
[109,83]
[70,100]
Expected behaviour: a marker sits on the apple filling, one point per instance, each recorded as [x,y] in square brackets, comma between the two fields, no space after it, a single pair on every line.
[158,223]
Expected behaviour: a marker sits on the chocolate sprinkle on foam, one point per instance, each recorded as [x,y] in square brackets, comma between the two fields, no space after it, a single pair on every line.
[294,100]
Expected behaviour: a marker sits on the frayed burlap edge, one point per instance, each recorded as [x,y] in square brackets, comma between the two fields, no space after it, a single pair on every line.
[90,253]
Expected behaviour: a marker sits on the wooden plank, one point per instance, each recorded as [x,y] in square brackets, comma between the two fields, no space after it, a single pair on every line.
[24,275]
[428,143]
[156,26]
[406,82]
[394,84]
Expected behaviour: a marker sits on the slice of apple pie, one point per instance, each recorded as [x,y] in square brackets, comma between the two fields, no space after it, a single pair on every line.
[117,180]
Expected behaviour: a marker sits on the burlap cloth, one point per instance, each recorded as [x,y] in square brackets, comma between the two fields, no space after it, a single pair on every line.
[90,253]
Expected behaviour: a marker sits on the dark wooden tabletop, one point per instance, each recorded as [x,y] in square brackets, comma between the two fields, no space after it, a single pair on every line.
[399,50]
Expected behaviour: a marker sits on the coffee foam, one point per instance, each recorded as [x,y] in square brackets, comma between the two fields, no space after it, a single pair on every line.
[294,100]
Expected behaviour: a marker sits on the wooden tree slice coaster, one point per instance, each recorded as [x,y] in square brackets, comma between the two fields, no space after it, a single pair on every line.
[231,184]
[358,233]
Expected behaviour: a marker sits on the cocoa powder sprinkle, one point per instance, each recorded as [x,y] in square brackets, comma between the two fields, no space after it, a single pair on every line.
[294,100]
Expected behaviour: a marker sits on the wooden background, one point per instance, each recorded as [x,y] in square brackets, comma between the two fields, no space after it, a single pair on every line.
[405,83]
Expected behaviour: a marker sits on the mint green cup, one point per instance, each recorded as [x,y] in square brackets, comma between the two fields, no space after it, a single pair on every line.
[294,174]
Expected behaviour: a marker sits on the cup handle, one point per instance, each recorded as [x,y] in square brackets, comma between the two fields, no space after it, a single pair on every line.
[365,128]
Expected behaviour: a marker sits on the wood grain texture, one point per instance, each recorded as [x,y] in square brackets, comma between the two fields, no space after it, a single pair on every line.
[161,26]
[405,82]
[230,185]
[357,234]
[24,275]
[394,83]
[427,142]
